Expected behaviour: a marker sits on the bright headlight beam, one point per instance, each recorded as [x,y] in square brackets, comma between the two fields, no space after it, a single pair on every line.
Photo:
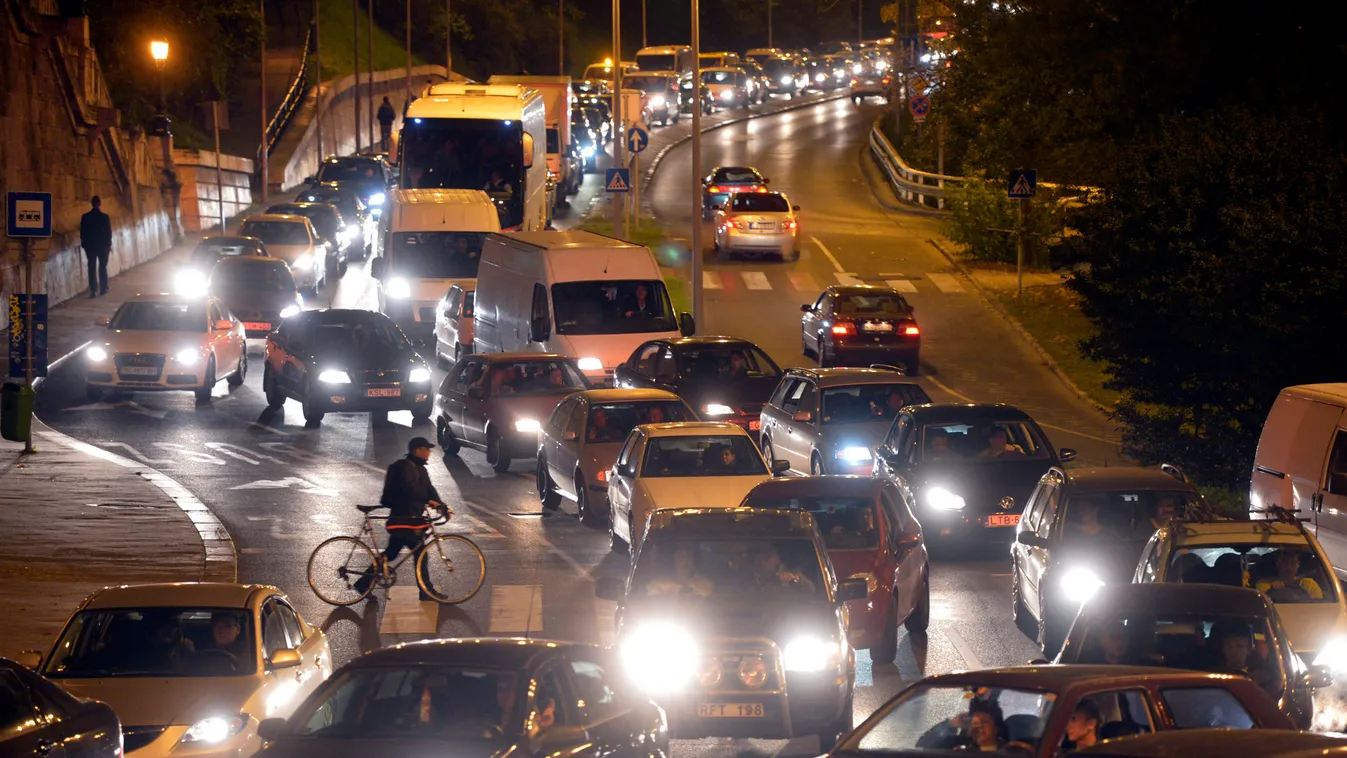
[717,409]
[589,364]
[304,262]
[400,289]
[1079,584]
[289,310]
[215,729]
[187,356]
[807,654]
[943,500]
[527,426]
[377,199]
[96,354]
[660,657]
[334,376]
[419,375]
[854,454]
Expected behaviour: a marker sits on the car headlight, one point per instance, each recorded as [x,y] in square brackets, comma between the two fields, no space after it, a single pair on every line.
[854,454]
[819,77]
[786,80]
[304,262]
[727,95]
[377,199]
[1080,584]
[96,354]
[857,69]
[190,283]
[1333,654]
[589,364]
[657,101]
[289,310]
[717,409]
[660,657]
[188,356]
[587,151]
[419,375]
[333,376]
[400,289]
[942,499]
[527,426]
[216,728]
[810,654]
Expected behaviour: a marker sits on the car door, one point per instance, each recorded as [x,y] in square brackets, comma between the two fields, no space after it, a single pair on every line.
[559,452]
[293,339]
[280,688]
[233,343]
[24,729]
[221,340]
[893,458]
[811,322]
[788,441]
[1035,560]
[773,416]
[313,651]
[475,409]
[639,368]
[446,320]
[463,375]
[615,720]
[907,557]
[1330,507]
[622,483]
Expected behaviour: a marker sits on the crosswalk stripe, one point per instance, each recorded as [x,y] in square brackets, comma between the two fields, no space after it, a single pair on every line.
[945,282]
[711,280]
[516,608]
[755,280]
[902,285]
[803,281]
[848,279]
[406,614]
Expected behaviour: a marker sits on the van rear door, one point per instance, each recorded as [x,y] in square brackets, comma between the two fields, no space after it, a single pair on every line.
[1330,516]
[1292,450]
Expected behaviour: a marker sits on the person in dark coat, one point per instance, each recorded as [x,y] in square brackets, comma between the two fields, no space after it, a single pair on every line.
[386,116]
[406,494]
[96,239]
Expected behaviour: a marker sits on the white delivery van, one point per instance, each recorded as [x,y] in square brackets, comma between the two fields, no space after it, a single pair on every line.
[1301,463]
[558,102]
[431,240]
[570,292]
[666,58]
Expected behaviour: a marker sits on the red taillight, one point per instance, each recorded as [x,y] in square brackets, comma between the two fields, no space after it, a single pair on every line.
[718,190]
[791,225]
[759,189]
[912,331]
[844,328]
[739,224]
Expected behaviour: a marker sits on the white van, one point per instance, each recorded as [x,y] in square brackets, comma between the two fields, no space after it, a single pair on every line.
[431,240]
[571,293]
[1301,463]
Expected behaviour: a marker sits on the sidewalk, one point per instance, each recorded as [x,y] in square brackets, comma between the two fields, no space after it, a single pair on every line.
[75,519]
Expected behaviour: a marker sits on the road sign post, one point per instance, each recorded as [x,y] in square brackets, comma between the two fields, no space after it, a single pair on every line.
[638,138]
[1021,185]
[920,106]
[28,215]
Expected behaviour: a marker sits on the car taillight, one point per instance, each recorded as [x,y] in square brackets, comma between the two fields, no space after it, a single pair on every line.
[717,190]
[759,189]
[844,328]
[739,223]
[791,225]
[911,331]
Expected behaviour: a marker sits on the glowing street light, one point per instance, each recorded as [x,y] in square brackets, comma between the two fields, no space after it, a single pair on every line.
[159,52]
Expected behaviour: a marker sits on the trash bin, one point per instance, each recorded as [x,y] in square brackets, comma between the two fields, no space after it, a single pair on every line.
[16,411]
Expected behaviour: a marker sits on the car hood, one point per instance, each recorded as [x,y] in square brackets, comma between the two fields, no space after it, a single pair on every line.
[348,360]
[610,349]
[738,615]
[150,341]
[700,492]
[982,484]
[157,701]
[289,253]
[512,407]
[403,748]
[736,393]
[432,290]
[1311,625]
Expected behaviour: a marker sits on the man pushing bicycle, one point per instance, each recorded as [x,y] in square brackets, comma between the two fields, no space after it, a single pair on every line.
[407,493]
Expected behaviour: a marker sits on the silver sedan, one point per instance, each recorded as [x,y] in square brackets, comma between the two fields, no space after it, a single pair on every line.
[757,223]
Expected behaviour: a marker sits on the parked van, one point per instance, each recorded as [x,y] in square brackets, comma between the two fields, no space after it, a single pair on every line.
[1301,463]
[573,293]
[431,240]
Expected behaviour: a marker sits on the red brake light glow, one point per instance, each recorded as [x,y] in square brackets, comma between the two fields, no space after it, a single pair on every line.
[717,190]
[792,225]
[844,328]
[912,331]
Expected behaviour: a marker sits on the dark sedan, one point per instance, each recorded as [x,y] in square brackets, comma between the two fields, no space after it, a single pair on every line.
[345,361]
[368,175]
[260,292]
[211,249]
[969,468]
[331,227]
[722,378]
[723,181]
[859,325]
[354,212]
[474,698]
[38,718]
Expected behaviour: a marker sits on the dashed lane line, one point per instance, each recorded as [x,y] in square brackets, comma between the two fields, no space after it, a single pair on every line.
[1063,429]
[711,281]
[902,285]
[755,280]
[848,279]
[827,252]
[405,613]
[516,608]
[969,657]
[803,281]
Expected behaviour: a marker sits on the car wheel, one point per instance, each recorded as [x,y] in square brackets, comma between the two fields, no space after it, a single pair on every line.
[920,618]
[829,736]
[615,543]
[547,494]
[495,453]
[422,411]
[1019,613]
[886,649]
[1051,635]
[273,393]
[240,374]
[313,415]
[584,508]
[93,394]
[768,454]
[448,442]
[440,360]
[816,465]
[203,394]
[826,359]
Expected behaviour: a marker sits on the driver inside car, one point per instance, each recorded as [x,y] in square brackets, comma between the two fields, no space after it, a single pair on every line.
[1288,585]
[225,636]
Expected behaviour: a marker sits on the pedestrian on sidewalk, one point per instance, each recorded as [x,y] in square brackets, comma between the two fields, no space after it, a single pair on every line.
[386,118]
[96,239]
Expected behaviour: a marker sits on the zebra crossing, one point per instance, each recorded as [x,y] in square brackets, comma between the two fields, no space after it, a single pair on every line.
[805,282]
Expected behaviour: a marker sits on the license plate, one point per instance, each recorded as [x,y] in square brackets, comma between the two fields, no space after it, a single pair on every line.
[754,426]
[140,371]
[878,326]
[1003,519]
[761,225]
[256,326]
[389,392]
[730,710]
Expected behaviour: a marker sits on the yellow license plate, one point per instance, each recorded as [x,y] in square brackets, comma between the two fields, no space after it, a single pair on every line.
[754,425]
[390,392]
[257,326]
[730,710]
[1003,519]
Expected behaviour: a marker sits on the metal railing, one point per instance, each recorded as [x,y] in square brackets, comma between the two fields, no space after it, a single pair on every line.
[912,185]
[290,103]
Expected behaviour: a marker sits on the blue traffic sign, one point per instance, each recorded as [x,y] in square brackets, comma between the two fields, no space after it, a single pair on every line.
[21,308]
[617,180]
[919,105]
[1022,183]
[28,214]
[637,138]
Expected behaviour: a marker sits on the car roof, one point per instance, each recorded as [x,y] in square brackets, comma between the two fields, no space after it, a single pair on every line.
[353,159]
[839,377]
[303,205]
[931,413]
[1178,596]
[1124,478]
[693,429]
[1247,743]
[338,315]
[730,69]
[862,289]
[819,486]
[632,395]
[1224,530]
[523,357]
[739,522]
[488,652]
[250,260]
[288,217]
[707,339]
[163,297]
[1062,676]
[174,594]
[718,169]
[755,193]
[229,239]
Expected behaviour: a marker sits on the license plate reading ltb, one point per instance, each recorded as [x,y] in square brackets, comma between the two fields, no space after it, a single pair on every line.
[730,710]
[1003,519]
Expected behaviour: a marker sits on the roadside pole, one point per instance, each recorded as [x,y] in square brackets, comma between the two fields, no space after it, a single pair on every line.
[940,162]
[317,85]
[28,216]
[219,169]
[370,77]
[355,66]
[619,126]
[1021,185]
[698,311]
[264,154]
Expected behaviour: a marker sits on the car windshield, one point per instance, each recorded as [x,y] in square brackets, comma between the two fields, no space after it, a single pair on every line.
[778,67]
[436,255]
[155,642]
[711,455]
[257,277]
[667,62]
[276,232]
[210,249]
[846,523]
[966,718]
[715,363]
[347,203]
[553,140]
[325,220]
[1221,643]
[358,336]
[759,203]
[468,153]
[507,378]
[164,317]
[612,422]
[1288,573]
[700,567]
[351,171]
[863,304]
[597,73]
[987,441]
[412,702]
[646,83]
[612,307]
[1119,515]
[869,403]
[736,176]
[718,77]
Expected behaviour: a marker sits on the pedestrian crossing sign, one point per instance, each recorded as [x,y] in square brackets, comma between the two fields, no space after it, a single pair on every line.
[1022,184]
[617,180]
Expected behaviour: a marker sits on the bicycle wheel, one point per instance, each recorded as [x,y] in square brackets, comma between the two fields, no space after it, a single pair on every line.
[455,567]
[335,567]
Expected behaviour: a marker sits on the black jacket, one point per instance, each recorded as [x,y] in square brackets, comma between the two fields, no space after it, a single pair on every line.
[96,231]
[386,114]
[407,489]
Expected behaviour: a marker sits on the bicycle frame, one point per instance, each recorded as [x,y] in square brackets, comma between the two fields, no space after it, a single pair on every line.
[428,537]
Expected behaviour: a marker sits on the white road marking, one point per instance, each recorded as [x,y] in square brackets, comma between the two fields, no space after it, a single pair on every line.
[945,282]
[950,390]
[405,613]
[301,485]
[969,657]
[849,280]
[368,465]
[516,608]
[902,285]
[892,275]
[755,280]
[968,399]
[271,429]
[130,405]
[865,669]
[827,252]
[803,281]
[711,280]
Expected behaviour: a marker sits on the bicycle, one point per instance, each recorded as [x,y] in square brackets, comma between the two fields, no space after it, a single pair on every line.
[336,565]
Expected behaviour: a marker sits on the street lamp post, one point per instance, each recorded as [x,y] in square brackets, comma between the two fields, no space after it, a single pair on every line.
[698,312]
[769,23]
[264,154]
[561,37]
[619,127]
[370,77]
[407,94]
[159,52]
[355,64]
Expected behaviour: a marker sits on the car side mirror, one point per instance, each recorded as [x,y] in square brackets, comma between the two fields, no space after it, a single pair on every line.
[539,329]
[271,730]
[378,267]
[795,207]
[310,180]
[569,436]
[804,416]
[1039,662]
[528,150]
[806,308]
[101,321]
[477,393]
[687,326]
[1066,454]
[609,588]
[1319,678]
[1031,539]
[31,659]
[853,589]
[780,466]
[558,738]
[286,657]
[224,325]
[765,180]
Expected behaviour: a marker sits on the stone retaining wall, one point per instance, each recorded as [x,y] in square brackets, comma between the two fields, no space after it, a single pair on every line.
[200,195]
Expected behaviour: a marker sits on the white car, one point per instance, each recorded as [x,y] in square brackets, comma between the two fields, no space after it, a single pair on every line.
[701,464]
[453,324]
[191,669]
[165,343]
[294,240]
[757,223]
[1281,558]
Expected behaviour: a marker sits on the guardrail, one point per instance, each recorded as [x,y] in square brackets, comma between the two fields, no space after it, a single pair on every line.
[293,97]
[912,185]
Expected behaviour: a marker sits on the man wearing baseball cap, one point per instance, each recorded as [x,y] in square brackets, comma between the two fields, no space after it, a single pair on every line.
[407,492]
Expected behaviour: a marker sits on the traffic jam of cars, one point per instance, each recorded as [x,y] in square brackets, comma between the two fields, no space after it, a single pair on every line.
[772,524]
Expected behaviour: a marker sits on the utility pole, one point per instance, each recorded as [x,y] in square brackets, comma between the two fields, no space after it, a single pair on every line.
[698,311]
[769,23]
[265,153]
[318,83]
[645,39]
[370,77]
[407,96]
[860,23]
[561,37]
[355,62]
[449,39]
[1021,247]
[619,129]
[219,170]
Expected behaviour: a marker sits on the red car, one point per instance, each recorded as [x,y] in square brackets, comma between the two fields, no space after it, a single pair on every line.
[870,533]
